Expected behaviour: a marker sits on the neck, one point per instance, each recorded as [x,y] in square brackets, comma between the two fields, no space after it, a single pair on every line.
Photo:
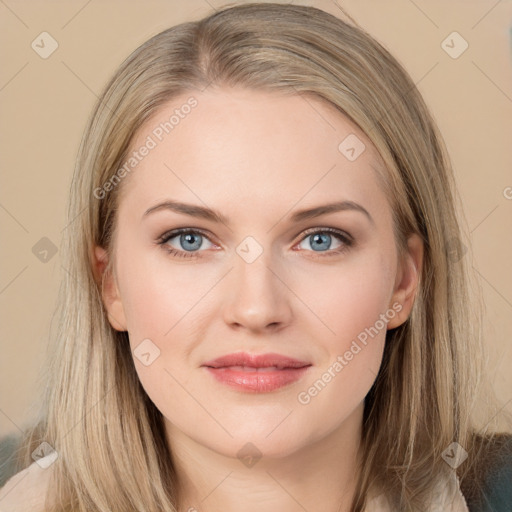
[318,476]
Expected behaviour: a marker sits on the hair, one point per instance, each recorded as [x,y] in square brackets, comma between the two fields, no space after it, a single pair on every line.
[109,435]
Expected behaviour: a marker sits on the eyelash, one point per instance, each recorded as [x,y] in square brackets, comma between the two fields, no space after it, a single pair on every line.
[343,237]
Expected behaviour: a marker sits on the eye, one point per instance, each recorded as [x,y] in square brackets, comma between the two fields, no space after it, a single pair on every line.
[190,240]
[320,241]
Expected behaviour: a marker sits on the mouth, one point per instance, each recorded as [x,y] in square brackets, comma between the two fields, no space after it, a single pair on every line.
[256,373]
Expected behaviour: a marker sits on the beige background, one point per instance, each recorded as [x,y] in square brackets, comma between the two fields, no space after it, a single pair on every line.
[45,104]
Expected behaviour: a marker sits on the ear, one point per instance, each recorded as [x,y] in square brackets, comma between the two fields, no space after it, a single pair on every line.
[407,280]
[109,290]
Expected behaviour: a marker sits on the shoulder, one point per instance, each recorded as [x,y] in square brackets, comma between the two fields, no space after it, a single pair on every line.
[27,489]
[487,483]
[498,478]
[447,497]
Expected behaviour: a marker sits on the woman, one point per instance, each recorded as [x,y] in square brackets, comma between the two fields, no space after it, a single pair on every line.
[208,357]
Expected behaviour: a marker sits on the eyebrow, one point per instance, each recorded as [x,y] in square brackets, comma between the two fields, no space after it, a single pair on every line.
[214,216]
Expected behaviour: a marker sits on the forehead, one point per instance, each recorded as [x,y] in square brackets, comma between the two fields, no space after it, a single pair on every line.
[254,148]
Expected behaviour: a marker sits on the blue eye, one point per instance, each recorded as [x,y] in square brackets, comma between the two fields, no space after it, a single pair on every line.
[191,240]
[320,241]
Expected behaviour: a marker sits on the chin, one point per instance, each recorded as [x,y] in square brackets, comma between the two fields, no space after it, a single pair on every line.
[272,439]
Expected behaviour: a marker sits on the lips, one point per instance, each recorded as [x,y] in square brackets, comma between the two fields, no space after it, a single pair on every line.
[256,372]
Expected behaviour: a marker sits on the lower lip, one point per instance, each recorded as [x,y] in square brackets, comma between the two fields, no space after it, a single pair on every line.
[257,381]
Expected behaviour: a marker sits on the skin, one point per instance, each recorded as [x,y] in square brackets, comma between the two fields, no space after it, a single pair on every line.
[257,157]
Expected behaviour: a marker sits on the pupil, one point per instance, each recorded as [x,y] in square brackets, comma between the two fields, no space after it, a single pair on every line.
[322,238]
[189,239]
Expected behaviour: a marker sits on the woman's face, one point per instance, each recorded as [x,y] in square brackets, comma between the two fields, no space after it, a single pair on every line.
[317,291]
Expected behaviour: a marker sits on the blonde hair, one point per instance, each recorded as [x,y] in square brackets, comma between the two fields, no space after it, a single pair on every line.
[95,413]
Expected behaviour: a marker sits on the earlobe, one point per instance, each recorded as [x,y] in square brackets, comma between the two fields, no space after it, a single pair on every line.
[407,282]
[109,290]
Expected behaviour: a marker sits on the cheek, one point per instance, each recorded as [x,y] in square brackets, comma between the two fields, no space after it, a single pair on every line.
[157,295]
[354,310]
[350,299]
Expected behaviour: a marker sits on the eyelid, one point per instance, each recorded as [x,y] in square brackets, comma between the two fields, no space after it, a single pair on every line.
[321,229]
[171,233]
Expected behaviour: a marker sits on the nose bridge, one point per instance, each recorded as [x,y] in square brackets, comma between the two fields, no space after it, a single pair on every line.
[258,297]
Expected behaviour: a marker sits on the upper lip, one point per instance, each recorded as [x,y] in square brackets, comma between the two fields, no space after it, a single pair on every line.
[256,361]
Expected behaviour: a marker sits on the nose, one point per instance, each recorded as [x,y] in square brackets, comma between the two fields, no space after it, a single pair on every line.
[258,298]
